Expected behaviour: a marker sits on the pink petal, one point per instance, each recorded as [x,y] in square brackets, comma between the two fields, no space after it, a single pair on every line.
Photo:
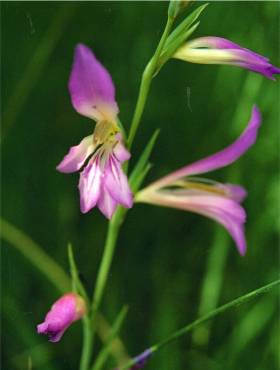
[235,192]
[106,204]
[116,183]
[223,210]
[217,50]
[67,309]
[220,159]
[89,185]
[91,87]
[121,153]
[76,156]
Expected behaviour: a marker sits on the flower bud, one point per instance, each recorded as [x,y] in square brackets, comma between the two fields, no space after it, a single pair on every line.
[176,7]
[67,309]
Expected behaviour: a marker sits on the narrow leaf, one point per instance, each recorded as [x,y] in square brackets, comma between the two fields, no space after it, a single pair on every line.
[171,49]
[140,170]
[103,354]
[77,285]
[184,26]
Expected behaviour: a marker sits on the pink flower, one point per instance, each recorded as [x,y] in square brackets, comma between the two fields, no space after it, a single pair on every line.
[102,181]
[217,50]
[67,309]
[220,202]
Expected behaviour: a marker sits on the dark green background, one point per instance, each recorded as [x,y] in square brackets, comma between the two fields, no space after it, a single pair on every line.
[163,256]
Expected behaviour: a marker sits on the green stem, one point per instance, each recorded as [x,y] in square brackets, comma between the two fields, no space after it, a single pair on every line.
[146,82]
[107,257]
[103,272]
[87,343]
[236,302]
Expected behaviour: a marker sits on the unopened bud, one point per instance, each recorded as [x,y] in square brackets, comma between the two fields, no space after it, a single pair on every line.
[67,309]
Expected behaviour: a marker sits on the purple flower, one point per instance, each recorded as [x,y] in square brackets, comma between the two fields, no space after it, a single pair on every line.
[102,181]
[217,50]
[220,202]
[67,309]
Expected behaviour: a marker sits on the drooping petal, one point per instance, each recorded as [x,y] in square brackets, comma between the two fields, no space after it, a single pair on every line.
[217,50]
[91,87]
[225,211]
[115,181]
[67,309]
[220,159]
[106,203]
[90,185]
[76,156]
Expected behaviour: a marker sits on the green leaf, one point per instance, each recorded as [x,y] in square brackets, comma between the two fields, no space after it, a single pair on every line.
[36,255]
[103,354]
[170,51]
[142,167]
[179,35]
[184,26]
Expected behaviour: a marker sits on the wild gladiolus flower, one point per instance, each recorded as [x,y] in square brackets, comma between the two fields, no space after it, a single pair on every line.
[67,309]
[217,50]
[102,181]
[220,202]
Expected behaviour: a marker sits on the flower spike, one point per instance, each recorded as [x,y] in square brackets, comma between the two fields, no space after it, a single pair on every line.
[217,50]
[220,202]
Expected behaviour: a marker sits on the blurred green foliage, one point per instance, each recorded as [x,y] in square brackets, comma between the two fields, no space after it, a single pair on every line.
[164,257]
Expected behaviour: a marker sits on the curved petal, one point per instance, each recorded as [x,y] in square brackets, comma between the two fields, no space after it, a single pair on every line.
[106,204]
[217,50]
[76,156]
[214,42]
[221,209]
[115,181]
[89,185]
[91,87]
[220,159]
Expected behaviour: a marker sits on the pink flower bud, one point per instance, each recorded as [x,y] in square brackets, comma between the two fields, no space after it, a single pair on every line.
[67,309]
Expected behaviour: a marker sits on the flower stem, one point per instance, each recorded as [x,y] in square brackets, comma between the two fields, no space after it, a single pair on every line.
[146,82]
[101,280]
[107,257]
[87,343]
[236,302]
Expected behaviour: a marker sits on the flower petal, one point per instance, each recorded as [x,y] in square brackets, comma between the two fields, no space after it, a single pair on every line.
[89,185]
[223,210]
[235,192]
[91,87]
[106,203]
[116,183]
[220,159]
[121,153]
[217,50]
[67,309]
[76,156]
